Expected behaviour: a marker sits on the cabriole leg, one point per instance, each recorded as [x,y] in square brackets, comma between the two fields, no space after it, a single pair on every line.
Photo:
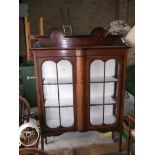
[120,141]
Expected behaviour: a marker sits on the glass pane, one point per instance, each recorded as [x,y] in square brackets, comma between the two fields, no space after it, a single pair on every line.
[96,115]
[67,116]
[97,71]
[96,93]
[109,100]
[110,67]
[66,94]
[64,71]
[109,89]
[49,74]
[50,95]
[109,117]
[52,117]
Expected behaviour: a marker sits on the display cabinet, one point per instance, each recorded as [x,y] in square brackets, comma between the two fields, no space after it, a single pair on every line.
[80,82]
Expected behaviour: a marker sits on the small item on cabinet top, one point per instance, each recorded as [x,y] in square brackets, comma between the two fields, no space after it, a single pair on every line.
[36,44]
[118,27]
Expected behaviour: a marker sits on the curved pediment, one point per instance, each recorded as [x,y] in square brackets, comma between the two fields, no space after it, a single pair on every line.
[98,37]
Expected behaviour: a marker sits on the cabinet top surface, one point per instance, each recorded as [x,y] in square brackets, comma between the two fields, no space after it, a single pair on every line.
[96,40]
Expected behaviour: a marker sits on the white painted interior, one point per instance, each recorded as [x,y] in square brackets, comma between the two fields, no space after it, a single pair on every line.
[96,93]
[101,93]
[51,87]
[50,71]
[109,89]
[50,92]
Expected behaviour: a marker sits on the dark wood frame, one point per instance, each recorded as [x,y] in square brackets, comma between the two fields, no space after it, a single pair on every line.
[56,60]
[80,51]
[101,127]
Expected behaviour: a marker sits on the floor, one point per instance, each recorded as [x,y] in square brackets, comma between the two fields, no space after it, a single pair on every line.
[77,139]
[81,143]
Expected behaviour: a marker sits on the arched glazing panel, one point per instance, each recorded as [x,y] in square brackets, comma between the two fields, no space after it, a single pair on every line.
[97,71]
[96,92]
[49,74]
[64,71]
[103,91]
[110,70]
[58,93]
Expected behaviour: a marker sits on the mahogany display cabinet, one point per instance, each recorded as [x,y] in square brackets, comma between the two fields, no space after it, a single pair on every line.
[80,82]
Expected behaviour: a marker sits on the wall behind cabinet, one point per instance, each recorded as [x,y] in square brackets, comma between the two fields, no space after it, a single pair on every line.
[85,14]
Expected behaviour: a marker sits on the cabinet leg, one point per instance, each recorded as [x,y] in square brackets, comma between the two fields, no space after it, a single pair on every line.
[128,145]
[113,135]
[42,143]
[120,141]
[37,142]
[46,140]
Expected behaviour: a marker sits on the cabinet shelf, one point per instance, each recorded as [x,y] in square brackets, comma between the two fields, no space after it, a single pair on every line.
[99,100]
[58,83]
[63,106]
[101,79]
[53,81]
[55,103]
[109,99]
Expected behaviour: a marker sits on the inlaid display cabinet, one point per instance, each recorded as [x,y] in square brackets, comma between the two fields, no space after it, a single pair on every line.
[80,82]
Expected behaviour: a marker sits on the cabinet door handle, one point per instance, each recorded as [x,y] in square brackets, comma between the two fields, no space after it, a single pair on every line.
[30,77]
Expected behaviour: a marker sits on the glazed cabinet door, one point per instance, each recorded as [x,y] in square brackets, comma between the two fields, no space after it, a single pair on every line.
[103,87]
[57,91]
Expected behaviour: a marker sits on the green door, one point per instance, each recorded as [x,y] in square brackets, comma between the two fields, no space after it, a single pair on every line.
[29,84]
